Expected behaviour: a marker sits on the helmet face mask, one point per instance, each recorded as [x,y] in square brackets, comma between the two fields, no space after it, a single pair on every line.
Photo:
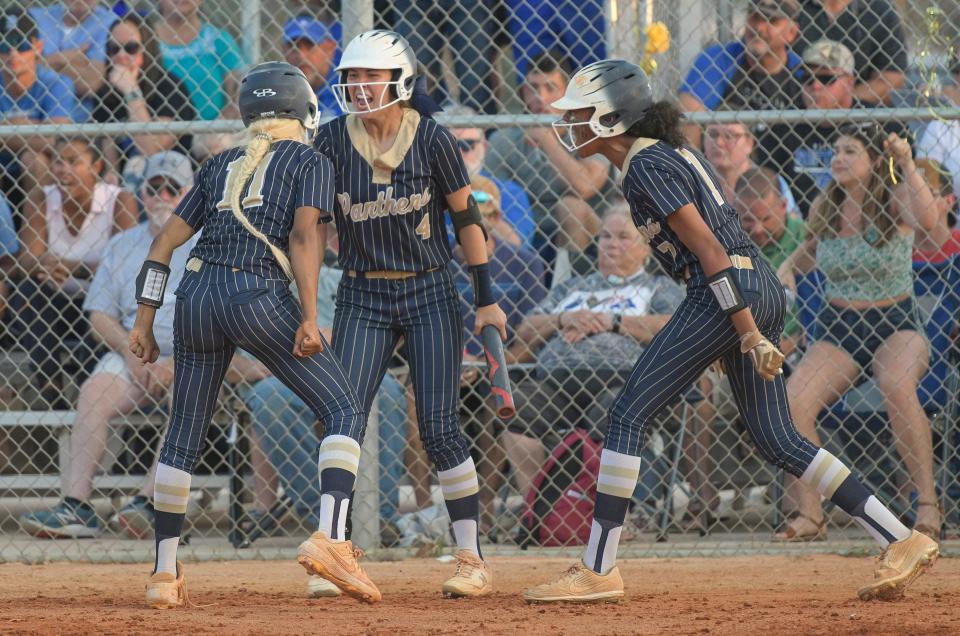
[377,50]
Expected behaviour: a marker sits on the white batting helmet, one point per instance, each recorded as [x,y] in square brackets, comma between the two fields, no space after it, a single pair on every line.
[378,49]
[619,93]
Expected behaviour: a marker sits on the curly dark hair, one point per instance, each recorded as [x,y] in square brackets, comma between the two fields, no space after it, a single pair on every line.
[661,121]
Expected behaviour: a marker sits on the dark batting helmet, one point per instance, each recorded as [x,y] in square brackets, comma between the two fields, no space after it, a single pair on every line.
[278,90]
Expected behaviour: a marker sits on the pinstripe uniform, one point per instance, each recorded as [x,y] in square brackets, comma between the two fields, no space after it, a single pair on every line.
[657,181]
[235,294]
[389,215]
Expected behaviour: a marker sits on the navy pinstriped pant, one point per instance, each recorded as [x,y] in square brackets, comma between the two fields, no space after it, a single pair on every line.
[372,315]
[219,310]
[696,335]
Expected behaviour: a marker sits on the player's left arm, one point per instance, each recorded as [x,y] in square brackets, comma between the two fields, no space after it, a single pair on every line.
[473,240]
[690,228]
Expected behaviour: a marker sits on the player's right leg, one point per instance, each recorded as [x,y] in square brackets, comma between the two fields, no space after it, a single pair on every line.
[694,337]
[263,318]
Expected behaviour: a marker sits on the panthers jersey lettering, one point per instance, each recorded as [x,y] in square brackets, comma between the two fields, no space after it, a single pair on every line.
[390,205]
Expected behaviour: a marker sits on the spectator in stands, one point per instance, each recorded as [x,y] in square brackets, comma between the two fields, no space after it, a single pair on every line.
[30,94]
[205,58]
[516,225]
[138,89]
[940,142]
[576,29]
[313,46]
[9,246]
[757,72]
[536,159]
[729,147]
[120,384]
[765,217]
[943,242]
[584,338]
[872,30]
[467,30]
[861,231]
[74,35]
[67,227]
[517,276]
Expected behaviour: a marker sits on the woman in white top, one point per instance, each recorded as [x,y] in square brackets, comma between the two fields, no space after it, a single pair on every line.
[67,226]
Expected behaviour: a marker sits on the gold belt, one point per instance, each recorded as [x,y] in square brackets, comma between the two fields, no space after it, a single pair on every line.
[738,262]
[387,274]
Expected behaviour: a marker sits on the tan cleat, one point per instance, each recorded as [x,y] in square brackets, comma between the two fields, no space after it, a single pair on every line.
[164,591]
[900,564]
[337,563]
[319,587]
[472,578]
[579,584]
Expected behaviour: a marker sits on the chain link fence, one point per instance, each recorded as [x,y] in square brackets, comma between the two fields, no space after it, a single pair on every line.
[91,90]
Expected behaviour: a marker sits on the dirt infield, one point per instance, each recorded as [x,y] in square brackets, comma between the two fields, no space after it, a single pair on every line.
[736,595]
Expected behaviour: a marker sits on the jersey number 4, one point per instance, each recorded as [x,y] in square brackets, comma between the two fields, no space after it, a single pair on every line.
[423,228]
[254,196]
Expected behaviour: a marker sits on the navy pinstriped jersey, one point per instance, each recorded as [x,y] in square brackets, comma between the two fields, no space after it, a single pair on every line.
[659,180]
[390,205]
[291,175]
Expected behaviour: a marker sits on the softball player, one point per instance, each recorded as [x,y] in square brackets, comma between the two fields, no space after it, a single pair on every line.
[733,312]
[252,204]
[396,172]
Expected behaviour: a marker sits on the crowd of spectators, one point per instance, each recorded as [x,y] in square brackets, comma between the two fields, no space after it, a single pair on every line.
[574,275]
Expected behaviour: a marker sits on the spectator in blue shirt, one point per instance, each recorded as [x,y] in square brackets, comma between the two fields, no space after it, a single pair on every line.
[757,72]
[574,27]
[74,35]
[29,94]
[313,46]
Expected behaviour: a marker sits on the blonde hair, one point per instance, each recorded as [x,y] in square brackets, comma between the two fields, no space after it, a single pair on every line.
[263,133]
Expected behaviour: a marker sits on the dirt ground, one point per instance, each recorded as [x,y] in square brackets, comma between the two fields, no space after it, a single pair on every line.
[732,595]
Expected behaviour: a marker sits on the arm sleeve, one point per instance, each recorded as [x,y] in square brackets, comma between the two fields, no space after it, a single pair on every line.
[659,186]
[315,187]
[193,207]
[447,163]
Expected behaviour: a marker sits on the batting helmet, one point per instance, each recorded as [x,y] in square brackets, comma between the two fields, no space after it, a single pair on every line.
[619,93]
[378,49]
[278,90]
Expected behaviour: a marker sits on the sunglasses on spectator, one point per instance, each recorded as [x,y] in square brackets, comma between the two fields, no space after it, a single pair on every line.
[23,47]
[130,48]
[823,80]
[466,145]
[156,188]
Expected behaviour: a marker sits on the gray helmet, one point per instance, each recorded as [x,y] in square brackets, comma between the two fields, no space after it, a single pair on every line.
[278,90]
[618,91]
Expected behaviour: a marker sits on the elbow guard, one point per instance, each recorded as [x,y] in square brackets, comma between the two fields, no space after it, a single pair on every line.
[465,218]
[726,290]
[152,283]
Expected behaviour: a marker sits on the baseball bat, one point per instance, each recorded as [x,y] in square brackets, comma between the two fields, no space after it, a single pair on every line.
[497,372]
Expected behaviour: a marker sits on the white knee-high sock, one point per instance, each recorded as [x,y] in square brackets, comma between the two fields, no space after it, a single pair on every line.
[339,460]
[615,485]
[461,494]
[171,492]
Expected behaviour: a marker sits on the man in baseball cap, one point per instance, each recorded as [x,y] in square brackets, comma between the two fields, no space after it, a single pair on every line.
[313,46]
[774,9]
[169,165]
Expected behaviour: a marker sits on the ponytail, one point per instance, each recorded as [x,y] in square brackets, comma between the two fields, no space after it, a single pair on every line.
[264,132]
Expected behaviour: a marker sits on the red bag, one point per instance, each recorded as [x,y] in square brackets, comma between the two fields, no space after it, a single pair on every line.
[559,506]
